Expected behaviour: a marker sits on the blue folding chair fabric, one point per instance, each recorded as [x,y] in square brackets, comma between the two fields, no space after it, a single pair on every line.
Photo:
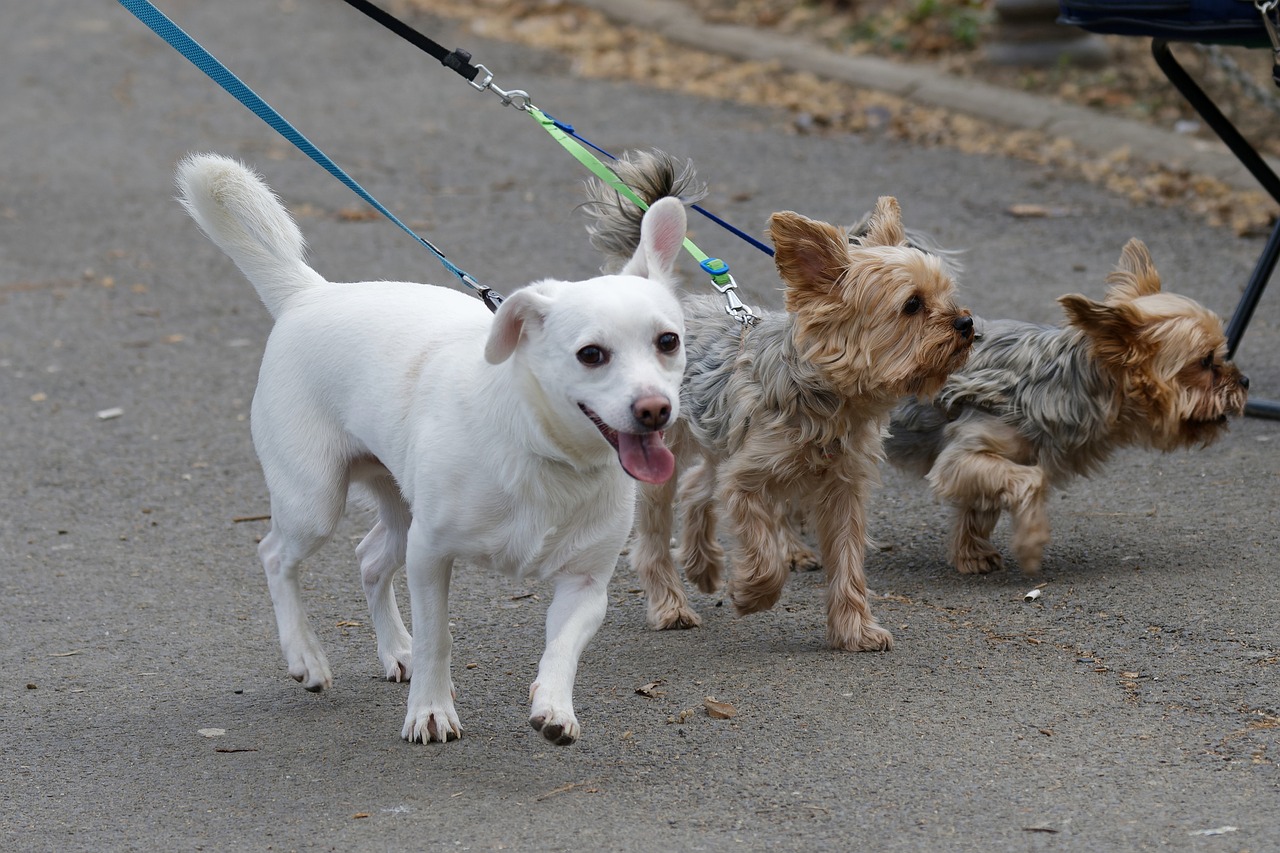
[1229,22]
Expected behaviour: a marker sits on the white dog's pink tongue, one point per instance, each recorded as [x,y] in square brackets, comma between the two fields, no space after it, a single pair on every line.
[646,457]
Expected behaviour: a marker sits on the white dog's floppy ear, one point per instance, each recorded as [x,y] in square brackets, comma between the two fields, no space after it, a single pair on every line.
[661,237]
[520,308]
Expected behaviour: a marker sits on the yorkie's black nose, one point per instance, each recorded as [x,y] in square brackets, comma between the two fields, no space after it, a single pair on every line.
[1244,382]
[964,325]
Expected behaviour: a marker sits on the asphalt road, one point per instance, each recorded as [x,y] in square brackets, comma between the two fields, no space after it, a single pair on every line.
[145,704]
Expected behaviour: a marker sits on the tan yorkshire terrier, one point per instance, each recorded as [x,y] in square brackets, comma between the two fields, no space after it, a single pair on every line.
[1039,405]
[789,413]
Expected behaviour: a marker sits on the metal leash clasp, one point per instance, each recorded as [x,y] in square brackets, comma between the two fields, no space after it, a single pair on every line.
[725,285]
[1265,9]
[517,98]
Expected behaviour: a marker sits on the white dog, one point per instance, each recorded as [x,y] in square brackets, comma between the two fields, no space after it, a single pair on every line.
[502,440]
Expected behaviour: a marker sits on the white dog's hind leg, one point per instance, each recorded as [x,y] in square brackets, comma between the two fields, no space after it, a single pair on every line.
[307,501]
[281,554]
[575,614]
[431,715]
[381,554]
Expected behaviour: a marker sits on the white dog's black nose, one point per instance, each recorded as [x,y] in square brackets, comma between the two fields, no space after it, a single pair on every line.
[653,411]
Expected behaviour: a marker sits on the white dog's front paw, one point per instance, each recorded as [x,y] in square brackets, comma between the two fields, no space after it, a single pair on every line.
[557,725]
[397,661]
[310,667]
[432,722]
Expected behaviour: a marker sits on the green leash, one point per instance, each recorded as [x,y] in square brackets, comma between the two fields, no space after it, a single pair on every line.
[721,280]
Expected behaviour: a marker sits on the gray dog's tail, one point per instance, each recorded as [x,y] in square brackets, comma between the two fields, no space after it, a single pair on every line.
[615,220]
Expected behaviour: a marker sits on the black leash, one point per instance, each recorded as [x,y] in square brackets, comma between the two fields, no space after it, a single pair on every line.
[458,59]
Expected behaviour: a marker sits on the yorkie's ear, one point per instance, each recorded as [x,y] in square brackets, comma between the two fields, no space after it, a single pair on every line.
[884,228]
[1135,275]
[811,256]
[1112,328]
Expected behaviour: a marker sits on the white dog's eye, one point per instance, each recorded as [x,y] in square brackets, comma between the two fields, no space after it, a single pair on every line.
[668,342]
[592,356]
[912,305]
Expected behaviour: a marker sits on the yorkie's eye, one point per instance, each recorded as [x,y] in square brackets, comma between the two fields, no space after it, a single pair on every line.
[912,305]
[668,342]
[1207,361]
[592,356]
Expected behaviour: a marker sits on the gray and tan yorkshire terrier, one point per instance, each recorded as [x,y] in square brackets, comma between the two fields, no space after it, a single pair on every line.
[1039,405]
[789,413]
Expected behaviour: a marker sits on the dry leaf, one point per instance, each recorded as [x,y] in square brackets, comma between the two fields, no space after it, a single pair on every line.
[650,690]
[719,710]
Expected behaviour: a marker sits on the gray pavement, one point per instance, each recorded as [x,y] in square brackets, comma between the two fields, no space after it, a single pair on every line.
[1133,707]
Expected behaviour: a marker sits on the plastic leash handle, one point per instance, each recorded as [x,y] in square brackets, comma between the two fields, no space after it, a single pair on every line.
[162,26]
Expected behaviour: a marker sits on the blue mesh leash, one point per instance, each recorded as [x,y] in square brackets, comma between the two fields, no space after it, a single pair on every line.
[162,26]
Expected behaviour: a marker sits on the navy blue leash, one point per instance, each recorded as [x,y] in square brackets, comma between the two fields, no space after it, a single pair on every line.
[220,74]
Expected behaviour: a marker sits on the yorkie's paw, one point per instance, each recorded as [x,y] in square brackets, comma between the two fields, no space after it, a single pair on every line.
[803,560]
[673,618]
[979,563]
[704,567]
[749,599]
[867,637]
[1029,561]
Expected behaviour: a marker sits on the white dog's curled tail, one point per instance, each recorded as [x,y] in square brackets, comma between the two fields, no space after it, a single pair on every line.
[239,212]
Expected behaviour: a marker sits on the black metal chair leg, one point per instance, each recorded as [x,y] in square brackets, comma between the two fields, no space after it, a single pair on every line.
[1266,177]
[1219,123]
[1253,290]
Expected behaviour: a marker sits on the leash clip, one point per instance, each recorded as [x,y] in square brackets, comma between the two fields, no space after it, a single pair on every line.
[517,98]
[725,285]
[1265,9]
